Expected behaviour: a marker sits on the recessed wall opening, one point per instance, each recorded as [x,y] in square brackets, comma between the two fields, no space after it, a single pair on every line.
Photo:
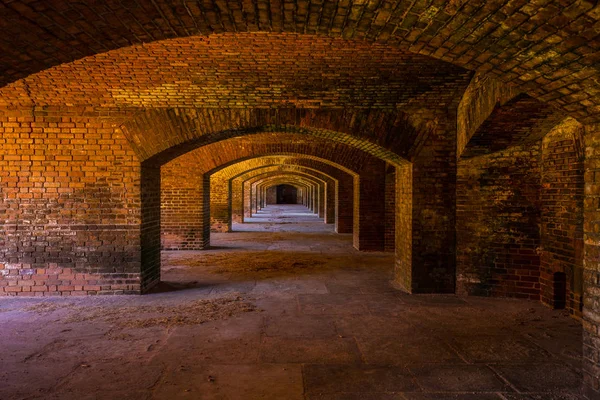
[329,188]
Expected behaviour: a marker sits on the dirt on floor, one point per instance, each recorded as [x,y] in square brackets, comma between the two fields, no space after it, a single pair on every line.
[261,263]
[192,313]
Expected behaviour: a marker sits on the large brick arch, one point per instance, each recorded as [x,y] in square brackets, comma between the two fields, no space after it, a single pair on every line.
[185,225]
[161,135]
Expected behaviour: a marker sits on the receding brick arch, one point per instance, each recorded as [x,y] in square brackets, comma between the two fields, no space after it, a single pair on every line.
[224,210]
[310,189]
[548,49]
[186,224]
[329,185]
[257,183]
[161,135]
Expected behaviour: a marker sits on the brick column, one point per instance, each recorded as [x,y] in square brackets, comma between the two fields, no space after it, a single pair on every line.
[330,202]
[591,265]
[344,206]
[185,205]
[220,204]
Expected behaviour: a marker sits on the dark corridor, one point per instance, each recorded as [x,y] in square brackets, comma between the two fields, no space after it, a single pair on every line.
[287,194]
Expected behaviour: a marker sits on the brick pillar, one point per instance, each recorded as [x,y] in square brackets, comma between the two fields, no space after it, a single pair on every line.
[220,205]
[150,234]
[321,208]
[369,207]
[185,208]
[430,264]
[390,211]
[344,206]
[591,265]
[247,199]
[330,202]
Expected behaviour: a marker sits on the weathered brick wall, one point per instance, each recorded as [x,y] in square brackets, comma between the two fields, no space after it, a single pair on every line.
[562,217]
[591,264]
[185,216]
[497,223]
[70,209]
[433,214]
[220,203]
[390,211]
[369,207]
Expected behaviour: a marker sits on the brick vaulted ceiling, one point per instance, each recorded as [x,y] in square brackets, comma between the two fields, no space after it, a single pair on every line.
[547,48]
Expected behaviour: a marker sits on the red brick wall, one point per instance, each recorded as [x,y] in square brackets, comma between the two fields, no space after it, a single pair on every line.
[562,216]
[70,209]
[497,223]
[591,255]
[369,207]
[184,206]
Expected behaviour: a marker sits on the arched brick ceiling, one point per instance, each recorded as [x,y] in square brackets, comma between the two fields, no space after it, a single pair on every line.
[520,120]
[211,158]
[162,135]
[246,70]
[549,48]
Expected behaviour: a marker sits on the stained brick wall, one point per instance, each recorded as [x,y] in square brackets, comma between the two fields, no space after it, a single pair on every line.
[562,216]
[497,223]
[369,207]
[591,265]
[404,227]
[184,206]
[434,208]
[70,207]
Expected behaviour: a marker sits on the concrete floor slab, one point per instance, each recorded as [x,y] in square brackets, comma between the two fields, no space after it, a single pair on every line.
[329,331]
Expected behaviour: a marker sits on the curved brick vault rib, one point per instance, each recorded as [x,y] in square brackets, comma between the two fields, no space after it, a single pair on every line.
[520,120]
[211,158]
[162,135]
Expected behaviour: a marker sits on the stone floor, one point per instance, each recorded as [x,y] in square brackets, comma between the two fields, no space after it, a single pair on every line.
[285,315]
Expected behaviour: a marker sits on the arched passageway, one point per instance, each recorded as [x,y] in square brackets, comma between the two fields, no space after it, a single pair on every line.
[462,136]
